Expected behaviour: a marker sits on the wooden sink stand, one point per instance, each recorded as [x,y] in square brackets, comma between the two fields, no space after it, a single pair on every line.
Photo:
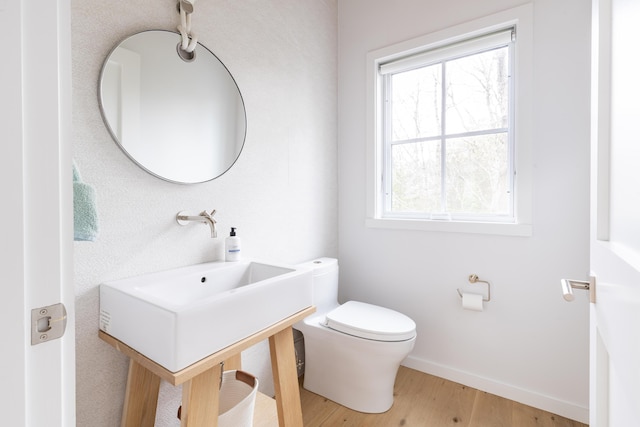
[201,381]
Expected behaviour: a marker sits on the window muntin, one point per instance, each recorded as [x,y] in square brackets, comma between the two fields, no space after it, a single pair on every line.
[448,132]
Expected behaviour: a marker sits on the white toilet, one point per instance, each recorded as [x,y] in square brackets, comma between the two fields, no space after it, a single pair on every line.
[353,350]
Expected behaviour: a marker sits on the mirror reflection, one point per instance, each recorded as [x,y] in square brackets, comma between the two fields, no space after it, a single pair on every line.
[182,121]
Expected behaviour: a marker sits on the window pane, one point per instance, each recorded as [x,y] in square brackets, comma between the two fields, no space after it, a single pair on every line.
[416,185]
[477,92]
[477,169]
[416,103]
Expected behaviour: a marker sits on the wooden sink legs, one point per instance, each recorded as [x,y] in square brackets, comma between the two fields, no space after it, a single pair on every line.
[285,378]
[141,396]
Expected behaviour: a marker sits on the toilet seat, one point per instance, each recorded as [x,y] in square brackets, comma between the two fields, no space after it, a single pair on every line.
[371,322]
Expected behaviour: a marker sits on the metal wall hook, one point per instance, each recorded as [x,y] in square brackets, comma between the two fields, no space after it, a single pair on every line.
[185,5]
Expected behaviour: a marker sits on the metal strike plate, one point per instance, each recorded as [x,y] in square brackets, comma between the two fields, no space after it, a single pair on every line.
[48,323]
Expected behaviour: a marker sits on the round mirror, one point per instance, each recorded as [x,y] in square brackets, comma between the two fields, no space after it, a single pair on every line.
[180,119]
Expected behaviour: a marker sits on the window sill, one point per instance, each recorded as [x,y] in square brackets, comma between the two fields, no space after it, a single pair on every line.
[502,229]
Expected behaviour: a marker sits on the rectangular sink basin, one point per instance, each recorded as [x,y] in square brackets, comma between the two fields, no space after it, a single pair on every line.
[179,316]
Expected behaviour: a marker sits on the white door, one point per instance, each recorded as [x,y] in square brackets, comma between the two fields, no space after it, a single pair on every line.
[615,213]
[36,261]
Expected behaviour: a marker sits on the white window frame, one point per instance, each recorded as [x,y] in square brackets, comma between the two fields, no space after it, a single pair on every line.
[522,19]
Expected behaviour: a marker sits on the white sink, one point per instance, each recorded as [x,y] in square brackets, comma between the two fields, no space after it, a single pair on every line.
[179,316]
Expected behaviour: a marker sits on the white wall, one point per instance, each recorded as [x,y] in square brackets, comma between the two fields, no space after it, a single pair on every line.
[528,344]
[281,194]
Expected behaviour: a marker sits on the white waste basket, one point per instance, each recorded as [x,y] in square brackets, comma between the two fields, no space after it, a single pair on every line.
[237,399]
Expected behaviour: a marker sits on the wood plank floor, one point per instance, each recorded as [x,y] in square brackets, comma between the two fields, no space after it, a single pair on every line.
[422,400]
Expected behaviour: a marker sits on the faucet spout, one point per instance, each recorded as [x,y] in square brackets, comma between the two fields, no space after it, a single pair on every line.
[183,219]
[212,222]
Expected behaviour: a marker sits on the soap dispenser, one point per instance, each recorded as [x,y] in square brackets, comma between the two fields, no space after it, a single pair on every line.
[232,246]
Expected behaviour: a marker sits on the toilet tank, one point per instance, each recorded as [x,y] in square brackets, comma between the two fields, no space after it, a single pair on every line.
[325,283]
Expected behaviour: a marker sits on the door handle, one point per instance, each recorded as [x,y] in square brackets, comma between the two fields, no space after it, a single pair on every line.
[568,285]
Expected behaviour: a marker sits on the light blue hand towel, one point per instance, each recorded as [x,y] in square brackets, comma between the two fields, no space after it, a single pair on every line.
[85,215]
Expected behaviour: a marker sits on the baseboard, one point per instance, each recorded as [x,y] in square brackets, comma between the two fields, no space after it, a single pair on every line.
[527,397]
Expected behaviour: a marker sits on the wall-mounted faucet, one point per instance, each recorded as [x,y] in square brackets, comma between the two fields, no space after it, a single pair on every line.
[183,219]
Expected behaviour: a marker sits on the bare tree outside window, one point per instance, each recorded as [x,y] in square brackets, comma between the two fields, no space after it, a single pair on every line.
[448,139]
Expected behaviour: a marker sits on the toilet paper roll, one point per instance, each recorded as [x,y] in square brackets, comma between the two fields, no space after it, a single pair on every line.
[472,302]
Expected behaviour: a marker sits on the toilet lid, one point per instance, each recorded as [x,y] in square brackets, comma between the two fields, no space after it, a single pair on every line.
[371,322]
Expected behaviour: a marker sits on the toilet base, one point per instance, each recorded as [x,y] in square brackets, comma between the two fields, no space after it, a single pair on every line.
[353,372]
[358,396]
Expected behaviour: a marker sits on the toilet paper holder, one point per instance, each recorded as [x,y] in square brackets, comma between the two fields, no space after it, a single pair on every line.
[473,278]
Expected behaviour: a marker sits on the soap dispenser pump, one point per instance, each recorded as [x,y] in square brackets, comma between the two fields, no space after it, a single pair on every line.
[232,246]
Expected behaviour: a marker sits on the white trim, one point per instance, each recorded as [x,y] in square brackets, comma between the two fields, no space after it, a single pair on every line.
[501,229]
[522,18]
[601,116]
[13,394]
[46,95]
[551,404]
[38,381]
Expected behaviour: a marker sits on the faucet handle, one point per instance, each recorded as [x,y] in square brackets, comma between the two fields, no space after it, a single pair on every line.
[208,215]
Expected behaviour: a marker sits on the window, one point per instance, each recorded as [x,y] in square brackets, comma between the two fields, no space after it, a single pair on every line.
[447,143]
[445,136]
